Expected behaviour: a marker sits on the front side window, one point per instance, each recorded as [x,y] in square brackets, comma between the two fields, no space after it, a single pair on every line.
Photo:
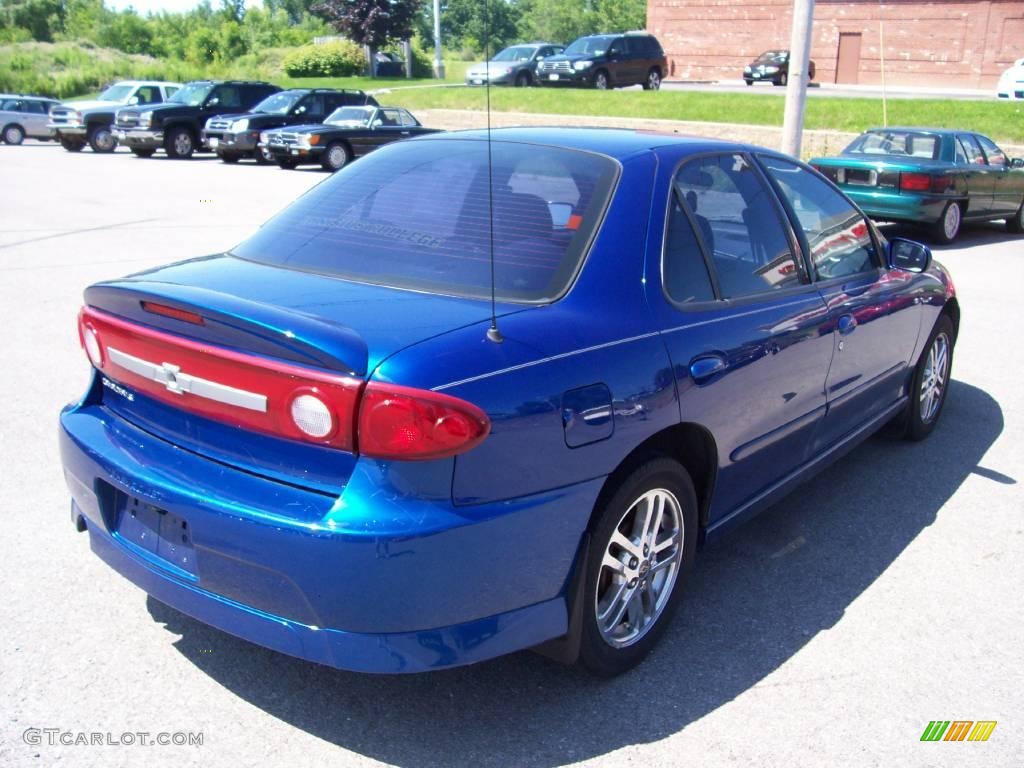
[229,97]
[740,225]
[993,154]
[36,107]
[838,237]
[417,215]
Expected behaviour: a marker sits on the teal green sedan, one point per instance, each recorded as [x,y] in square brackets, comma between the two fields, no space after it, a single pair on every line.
[933,177]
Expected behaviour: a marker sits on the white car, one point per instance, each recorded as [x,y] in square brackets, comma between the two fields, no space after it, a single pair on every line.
[1011,82]
[78,123]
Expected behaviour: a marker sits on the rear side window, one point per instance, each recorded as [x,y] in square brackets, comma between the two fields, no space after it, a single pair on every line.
[740,225]
[837,235]
[416,215]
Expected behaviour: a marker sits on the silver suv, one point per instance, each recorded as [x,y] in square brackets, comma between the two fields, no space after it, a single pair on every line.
[24,117]
[78,123]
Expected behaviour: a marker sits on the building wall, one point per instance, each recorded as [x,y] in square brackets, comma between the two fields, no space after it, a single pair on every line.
[955,43]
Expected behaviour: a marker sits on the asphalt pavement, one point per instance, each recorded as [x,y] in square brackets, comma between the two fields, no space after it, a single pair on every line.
[829,631]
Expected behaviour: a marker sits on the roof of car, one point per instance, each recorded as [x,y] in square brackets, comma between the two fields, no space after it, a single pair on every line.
[25,96]
[918,129]
[619,143]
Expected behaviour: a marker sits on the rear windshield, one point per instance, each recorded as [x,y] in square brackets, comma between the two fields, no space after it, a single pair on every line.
[910,143]
[415,215]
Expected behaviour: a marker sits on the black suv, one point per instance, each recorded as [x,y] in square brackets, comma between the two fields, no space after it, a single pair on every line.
[233,137]
[607,61]
[177,124]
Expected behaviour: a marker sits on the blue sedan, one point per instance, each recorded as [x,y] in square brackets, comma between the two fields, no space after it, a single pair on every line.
[465,398]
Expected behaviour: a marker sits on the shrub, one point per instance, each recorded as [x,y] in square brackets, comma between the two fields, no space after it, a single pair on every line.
[340,59]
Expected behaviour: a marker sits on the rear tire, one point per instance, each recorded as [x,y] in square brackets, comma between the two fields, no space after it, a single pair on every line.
[336,156]
[101,140]
[643,542]
[142,152]
[287,165]
[748,82]
[946,229]
[1015,224]
[783,79]
[70,145]
[930,384]
[179,144]
[14,135]
[653,81]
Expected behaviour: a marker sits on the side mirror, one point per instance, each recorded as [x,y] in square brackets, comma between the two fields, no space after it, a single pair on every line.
[908,255]
[1017,162]
[561,213]
[540,58]
[212,102]
[133,101]
[377,123]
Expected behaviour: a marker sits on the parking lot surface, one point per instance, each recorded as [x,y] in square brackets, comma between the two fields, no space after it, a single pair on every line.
[829,631]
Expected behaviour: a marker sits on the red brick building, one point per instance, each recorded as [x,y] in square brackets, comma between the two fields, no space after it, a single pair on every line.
[954,43]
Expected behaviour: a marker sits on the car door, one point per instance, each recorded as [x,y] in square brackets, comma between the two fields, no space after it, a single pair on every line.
[35,118]
[746,330]
[981,180]
[874,314]
[1006,192]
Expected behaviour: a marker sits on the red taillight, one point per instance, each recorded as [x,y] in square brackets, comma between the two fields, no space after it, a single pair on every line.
[243,390]
[915,182]
[402,423]
[392,422]
[177,314]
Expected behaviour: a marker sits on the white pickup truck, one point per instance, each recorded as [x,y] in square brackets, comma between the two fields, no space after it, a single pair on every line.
[77,123]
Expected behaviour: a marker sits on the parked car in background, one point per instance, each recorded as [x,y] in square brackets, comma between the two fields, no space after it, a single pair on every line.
[386,64]
[515,65]
[233,137]
[348,133]
[1011,82]
[325,442]
[772,67]
[933,177]
[607,61]
[176,125]
[78,123]
[23,117]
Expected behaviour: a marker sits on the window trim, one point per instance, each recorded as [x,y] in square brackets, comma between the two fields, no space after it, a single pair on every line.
[720,301]
[879,259]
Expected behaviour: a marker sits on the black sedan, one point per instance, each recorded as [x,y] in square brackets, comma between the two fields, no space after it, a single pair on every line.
[772,67]
[348,133]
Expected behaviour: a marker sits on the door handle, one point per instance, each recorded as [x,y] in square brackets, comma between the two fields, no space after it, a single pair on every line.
[707,366]
[847,324]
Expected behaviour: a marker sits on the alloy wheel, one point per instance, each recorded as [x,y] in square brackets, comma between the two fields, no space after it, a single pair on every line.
[951,221]
[182,144]
[639,568]
[654,80]
[933,382]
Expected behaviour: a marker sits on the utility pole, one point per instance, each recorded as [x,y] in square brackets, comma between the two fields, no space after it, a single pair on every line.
[796,88]
[438,61]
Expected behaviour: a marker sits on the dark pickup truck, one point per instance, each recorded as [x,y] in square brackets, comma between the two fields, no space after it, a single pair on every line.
[176,125]
[233,137]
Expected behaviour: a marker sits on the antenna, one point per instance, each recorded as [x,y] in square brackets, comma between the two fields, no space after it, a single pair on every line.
[493,334]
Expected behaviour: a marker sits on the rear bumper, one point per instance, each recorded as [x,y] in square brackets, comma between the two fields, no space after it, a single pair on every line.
[896,206]
[372,582]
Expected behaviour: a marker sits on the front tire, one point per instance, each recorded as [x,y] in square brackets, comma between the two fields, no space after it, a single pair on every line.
[643,543]
[101,139]
[783,79]
[1015,224]
[71,146]
[14,135]
[142,152]
[523,80]
[180,144]
[931,382]
[263,156]
[229,159]
[946,229]
[601,81]
[287,165]
[336,156]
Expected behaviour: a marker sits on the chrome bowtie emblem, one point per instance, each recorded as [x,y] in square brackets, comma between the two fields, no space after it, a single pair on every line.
[168,374]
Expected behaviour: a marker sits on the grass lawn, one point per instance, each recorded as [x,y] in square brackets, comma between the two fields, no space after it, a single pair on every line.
[1003,121]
